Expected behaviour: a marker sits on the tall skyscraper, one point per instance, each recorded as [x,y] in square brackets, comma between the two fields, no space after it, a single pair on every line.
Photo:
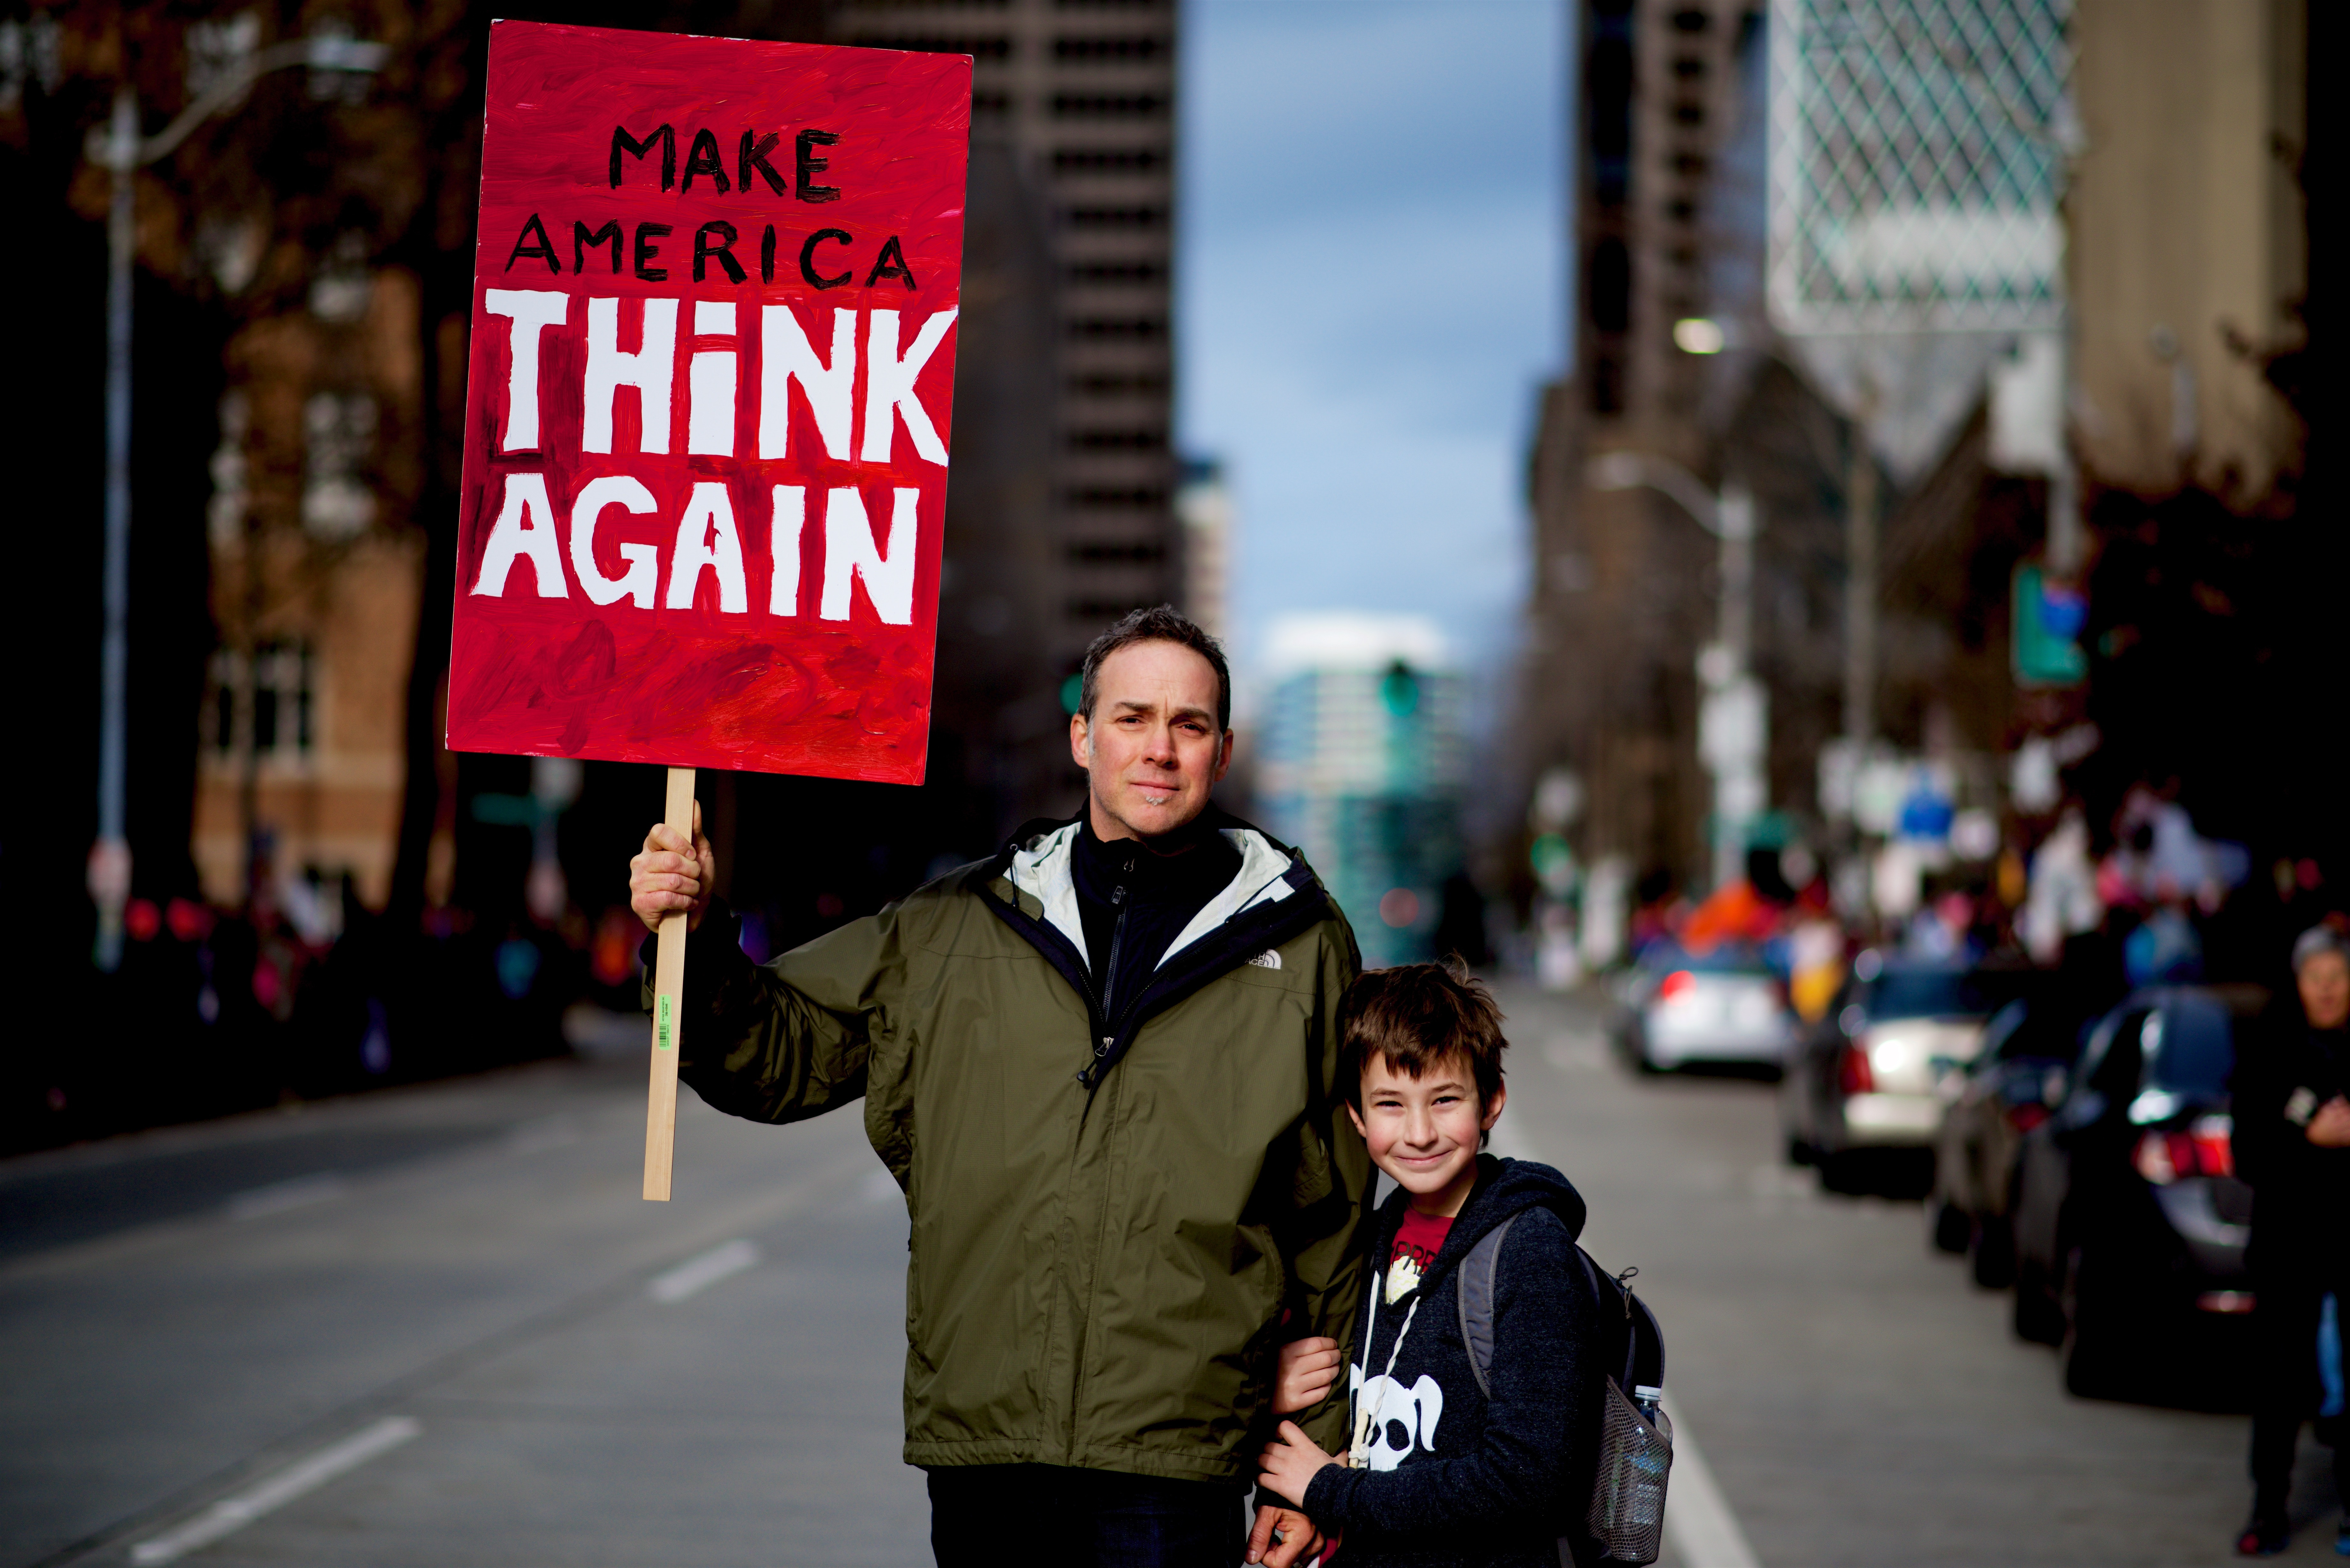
[1083,93]
[1623,581]
[1362,764]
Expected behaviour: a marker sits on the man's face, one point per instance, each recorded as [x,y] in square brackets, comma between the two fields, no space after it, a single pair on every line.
[2325,984]
[1153,749]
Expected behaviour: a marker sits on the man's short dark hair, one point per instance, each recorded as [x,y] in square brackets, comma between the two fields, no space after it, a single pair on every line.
[1416,1015]
[1160,623]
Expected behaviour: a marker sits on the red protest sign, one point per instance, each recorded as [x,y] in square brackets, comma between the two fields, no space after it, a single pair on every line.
[712,376]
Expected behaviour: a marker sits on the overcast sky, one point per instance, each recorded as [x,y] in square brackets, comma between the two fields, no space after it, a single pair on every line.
[1371,281]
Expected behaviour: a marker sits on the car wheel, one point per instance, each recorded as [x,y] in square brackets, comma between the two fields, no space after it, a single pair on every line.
[2101,1352]
[1991,1255]
[1840,1171]
[1798,1151]
[1950,1228]
[2039,1319]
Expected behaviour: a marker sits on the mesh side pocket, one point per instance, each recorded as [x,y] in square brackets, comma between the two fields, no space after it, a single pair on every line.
[1627,1501]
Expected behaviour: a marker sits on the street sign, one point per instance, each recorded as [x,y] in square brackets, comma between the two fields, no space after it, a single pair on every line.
[712,365]
[2048,618]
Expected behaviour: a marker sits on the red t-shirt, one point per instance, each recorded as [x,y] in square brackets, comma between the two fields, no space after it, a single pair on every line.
[1417,1241]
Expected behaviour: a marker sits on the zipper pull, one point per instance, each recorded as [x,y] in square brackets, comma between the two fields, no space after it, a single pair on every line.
[1117,894]
[1103,1049]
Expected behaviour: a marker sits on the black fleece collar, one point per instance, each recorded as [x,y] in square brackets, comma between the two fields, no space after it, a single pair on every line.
[1247,933]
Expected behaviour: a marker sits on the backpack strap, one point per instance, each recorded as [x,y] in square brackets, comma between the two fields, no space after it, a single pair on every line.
[1473,1283]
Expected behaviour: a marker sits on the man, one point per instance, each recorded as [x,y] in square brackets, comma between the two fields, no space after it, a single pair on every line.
[1102,1066]
[2292,1145]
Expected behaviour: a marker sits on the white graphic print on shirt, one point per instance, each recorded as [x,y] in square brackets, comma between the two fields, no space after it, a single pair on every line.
[1413,1411]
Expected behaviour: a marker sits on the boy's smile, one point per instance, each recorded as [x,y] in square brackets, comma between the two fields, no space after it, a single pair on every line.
[1425,1131]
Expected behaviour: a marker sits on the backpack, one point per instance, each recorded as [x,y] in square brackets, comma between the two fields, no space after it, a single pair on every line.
[1627,1513]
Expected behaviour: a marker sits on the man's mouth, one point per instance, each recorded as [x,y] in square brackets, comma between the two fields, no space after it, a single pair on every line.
[1155,793]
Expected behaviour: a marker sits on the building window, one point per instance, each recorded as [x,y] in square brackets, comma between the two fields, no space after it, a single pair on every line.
[265,702]
[1119,328]
[1118,383]
[1115,217]
[1117,439]
[1127,48]
[1108,159]
[1110,106]
[1114,272]
[1116,552]
[984,49]
[337,504]
[1136,498]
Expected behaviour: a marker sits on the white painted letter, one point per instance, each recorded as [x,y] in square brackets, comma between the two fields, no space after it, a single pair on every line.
[530,310]
[706,537]
[783,354]
[784,549]
[890,386]
[525,530]
[848,552]
[649,370]
[644,570]
[710,383]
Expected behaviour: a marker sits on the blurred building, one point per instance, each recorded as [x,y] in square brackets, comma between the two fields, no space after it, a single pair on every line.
[2012,321]
[1623,593]
[1082,96]
[1204,503]
[303,298]
[1360,763]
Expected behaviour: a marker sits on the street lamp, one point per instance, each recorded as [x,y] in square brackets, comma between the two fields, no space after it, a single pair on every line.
[1733,723]
[121,150]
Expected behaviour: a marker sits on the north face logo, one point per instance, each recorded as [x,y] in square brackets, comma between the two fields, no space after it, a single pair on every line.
[1267,960]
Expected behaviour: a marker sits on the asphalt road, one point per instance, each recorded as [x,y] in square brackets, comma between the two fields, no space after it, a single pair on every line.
[439,1325]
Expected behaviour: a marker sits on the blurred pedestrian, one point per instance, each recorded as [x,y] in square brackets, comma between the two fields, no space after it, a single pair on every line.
[2292,1104]
[1103,1064]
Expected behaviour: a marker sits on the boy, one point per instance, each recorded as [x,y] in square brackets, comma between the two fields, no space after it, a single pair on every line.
[1440,1472]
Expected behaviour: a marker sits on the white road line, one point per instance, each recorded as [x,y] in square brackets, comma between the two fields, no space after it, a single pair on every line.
[303,1475]
[279,1196]
[697,1274]
[1697,1520]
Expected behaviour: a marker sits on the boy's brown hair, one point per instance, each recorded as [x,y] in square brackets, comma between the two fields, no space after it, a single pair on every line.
[1415,1016]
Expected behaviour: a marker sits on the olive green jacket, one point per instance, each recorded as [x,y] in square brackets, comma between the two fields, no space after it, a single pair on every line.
[1110,1216]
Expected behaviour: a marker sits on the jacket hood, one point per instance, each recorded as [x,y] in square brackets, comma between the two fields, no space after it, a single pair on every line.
[1505,1190]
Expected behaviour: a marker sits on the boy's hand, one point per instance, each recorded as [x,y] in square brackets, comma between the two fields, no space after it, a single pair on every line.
[2329,1129]
[1304,1375]
[1300,1540]
[670,875]
[1289,1463]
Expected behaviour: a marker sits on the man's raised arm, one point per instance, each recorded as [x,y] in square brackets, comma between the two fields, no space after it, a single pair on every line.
[752,1044]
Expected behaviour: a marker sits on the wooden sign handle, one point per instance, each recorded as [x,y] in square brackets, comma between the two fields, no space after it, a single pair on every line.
[669,1011]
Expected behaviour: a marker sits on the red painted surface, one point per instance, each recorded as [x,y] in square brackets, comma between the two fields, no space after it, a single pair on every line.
[705,686]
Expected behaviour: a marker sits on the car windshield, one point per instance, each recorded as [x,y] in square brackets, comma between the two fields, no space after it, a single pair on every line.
[2190,1047]
[1934,992]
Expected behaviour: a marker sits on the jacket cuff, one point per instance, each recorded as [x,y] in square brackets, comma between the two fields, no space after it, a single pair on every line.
[714,958]
[1327,1495]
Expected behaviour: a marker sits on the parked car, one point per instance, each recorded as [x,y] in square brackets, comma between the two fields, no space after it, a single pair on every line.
[2014,1083]
[2130,1222]
[1863,1081]
[1724,1006]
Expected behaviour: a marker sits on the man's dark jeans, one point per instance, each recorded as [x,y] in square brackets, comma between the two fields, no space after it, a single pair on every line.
[1044,1516]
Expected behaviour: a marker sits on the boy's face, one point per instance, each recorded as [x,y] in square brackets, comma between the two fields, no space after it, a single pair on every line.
[1424,1131]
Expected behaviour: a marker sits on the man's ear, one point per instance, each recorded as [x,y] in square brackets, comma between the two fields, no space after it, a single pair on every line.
[1223,759]
[1080,741]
